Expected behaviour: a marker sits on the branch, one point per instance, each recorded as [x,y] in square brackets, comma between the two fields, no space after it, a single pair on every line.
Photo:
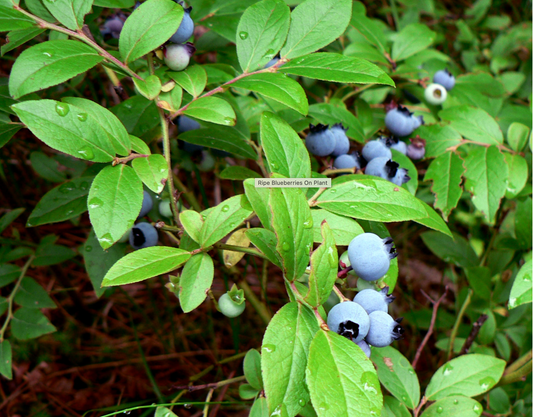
[476,327]
[431,326]
[213,385]
[516,376]
[458,322]
[128,158]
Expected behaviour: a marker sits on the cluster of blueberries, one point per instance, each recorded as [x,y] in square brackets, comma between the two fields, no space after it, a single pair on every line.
[365,320]
[436,93]
[178,53]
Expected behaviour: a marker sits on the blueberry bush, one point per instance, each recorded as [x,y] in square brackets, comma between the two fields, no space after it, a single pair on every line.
[157,119]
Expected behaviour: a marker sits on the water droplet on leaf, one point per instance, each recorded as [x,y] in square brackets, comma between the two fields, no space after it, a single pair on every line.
[62,109]
[86,153]
[243,35]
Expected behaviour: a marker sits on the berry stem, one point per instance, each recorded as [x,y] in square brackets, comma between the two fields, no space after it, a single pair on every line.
[341,296]
[312,200]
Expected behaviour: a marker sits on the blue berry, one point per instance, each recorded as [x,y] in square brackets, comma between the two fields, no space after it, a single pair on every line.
[383,329]
[388,170]
[376,149]
[435,94]
[417,121]
[186,123]
[346,161]
[143,235]
[273,61]
[113,26]
[365,348]
[372,300]
[185,29]
[399,121]
[350,320]
[342,143]
[146,205]
[178,56]
[398,145]
[416,151]
[444,78]
[230,308]
[370,255]
[320,141]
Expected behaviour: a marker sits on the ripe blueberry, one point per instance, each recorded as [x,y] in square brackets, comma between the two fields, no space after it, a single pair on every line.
[346,161]
[376,149]
[397,144]
[444,78]
[143,235]
[399,121]
[388,170]
[342,143]
[273,61]
[370,255]
[417,149]
[417,121]
[365,348]
[350,320]
[146,205]
[184,125]
[320,140]
[177,56]
[372,300]
[186,27]
[113,26]
[435,94]
[229,307]
[383,329]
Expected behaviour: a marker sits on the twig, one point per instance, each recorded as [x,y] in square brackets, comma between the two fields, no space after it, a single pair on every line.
[312,200]
[431,326]
[417,409]
[128,158]
[518,375]
[518,363]
[213,385]
[476,327]
[458,322]
[255,302]
[207,401]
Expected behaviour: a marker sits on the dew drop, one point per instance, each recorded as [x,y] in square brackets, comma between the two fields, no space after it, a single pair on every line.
[456,401]
[447,370]
[229,121]
[243,35]
[269,348]
[301,402]
[285,246]
[333,190]
[486,383]
[323,407]
[66,188]
[82,117]
[86,153]
[476,408]
[370,382]
[88,248]
[225,208]
[95,203]
[62,109]
[84,185]
[440,410]
[188,406]
[107,238]
[308,224]
[48,54]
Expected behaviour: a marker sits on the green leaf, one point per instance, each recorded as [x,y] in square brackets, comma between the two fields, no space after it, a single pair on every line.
[259,408]
[467,375]
[457,250]
[148,27]
[145,263]
[523,228]
[393,408]
[211,109]
[486,177]
[69,12]
[446,171]
[370,29]
[329,114]
[479,280]
[292,223]
[474,124]
[434,221]
[324,265]
[265,240]
[6,369]
[19,37]
[32,295]
[372,199]
[438,138]
[518,174]
[171,100]
[11,19]
[115,201]
[7,131]
[117,4]
[252,369]
[152,170]
[99,261]
[454,406]
[247,392]
[8,274]
[343,228]
[138,114]
[48,254]
[195,280]
[238,173]
[113,127]
[261,32]
[285,151]
[259,199]
[46,167]
[220,137]
[341,379]
[150,87]
[224,218]
[192,222]
[397,375]
[287,339]
[139,145]
[315,24]
[9,218]
[50,63]
[61,203]
[164,412]
[193,79]
[30,323]
[412,39]
[517,136]
[278,87]
[337,68]
[59,126]
[521,292]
